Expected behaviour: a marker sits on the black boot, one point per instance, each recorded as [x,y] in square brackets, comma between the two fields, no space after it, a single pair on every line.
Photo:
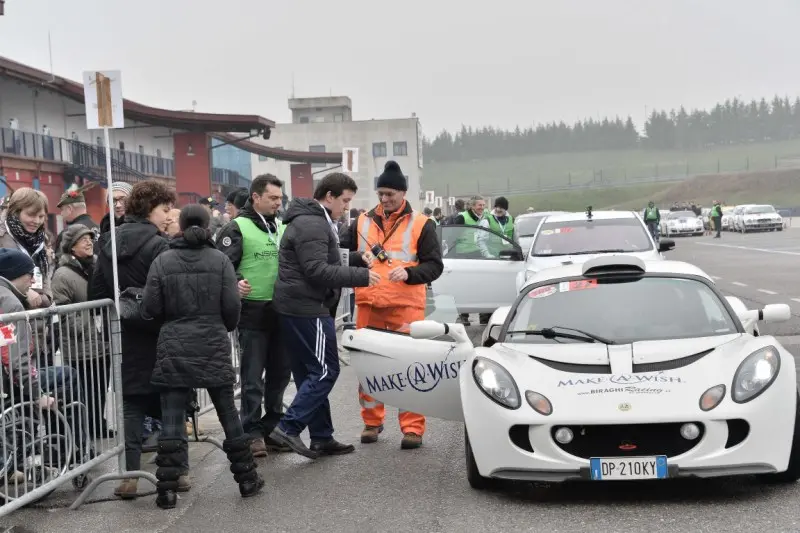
[243,466]
[171,452]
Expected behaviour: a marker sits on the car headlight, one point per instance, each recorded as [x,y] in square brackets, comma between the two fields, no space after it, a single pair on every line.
[755,374]
[496,383]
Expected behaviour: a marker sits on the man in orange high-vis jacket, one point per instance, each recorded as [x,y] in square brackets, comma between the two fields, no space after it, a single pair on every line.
[402,246]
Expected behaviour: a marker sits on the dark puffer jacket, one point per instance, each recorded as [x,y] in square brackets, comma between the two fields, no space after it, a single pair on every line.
[192,289]
[138,244]
[310,275]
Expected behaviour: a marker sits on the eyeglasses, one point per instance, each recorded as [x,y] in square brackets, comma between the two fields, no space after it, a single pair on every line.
[119,200]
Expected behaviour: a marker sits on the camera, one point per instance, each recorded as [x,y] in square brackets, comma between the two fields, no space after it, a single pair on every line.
[379,252]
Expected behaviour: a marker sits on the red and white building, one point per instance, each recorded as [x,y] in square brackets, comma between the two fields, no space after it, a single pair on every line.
[44,143]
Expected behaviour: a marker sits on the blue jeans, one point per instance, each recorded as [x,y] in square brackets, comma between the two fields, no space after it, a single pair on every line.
[60,381]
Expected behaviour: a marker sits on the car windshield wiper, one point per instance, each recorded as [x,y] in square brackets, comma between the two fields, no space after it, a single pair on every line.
[551,333]
[606,251]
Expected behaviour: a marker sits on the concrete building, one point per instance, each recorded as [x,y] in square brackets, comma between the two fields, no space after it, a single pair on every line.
[44,143]
[326,125]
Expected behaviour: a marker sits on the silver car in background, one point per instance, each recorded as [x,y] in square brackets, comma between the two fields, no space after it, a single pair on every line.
[525,227]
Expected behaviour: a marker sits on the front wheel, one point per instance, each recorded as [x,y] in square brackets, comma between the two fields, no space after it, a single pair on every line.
[476,480]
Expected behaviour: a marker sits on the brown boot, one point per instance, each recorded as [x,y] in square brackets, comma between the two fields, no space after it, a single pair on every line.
[411,441]
[258,448]
[370,434]
[184,483]
[127,489]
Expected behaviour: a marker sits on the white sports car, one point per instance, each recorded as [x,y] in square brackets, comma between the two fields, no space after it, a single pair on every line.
[583,377]
[675,223]
[578,237]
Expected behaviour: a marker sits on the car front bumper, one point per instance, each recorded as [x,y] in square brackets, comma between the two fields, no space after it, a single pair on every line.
[501,439]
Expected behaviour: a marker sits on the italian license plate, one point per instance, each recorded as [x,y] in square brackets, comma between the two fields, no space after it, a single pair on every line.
[624,468]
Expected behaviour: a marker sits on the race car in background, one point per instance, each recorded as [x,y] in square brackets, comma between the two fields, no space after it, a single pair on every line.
[728,214]
[574,238]
[583,378]
[757,218]
[675,223]
[525,227]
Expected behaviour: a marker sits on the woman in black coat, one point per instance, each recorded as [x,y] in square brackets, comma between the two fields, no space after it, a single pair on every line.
[139,241]
[192,289]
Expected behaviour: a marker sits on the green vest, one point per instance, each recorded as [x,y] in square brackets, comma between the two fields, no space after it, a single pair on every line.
[652,213]
[507,231]
[716,211]
[259,264]
[466,244]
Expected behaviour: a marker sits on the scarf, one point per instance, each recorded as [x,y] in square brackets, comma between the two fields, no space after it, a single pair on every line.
[33,243]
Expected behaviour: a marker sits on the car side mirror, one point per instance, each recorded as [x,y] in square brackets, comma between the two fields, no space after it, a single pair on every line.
[515,254]
[491,335]
[430,329]
[775,313]
[665,245]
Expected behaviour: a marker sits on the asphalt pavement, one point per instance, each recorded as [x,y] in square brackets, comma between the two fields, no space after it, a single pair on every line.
[383,488]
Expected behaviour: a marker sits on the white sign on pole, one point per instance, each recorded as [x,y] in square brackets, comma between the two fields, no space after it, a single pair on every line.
[350,160]
[451,200]
[102,91]
[429,196]
[438,202]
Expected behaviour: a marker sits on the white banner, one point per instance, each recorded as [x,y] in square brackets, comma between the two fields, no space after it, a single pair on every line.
[429,196]
[438,202]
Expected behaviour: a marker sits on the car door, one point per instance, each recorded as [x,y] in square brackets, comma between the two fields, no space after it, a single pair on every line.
[480,268]
[417,375]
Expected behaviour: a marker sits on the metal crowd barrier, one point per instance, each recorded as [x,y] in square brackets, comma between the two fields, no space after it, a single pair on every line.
[72,354]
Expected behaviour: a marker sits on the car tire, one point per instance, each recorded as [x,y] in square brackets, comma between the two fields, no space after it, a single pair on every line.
[792,473]
[476,480]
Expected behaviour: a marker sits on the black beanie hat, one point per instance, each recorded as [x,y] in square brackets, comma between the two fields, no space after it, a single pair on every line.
[14,264]
[392,177]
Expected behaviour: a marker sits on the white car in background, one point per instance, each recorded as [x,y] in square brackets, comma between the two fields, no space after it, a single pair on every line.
[583,378]
[674,223]
[728,215]
[758,218]
[574,238]
[525,227]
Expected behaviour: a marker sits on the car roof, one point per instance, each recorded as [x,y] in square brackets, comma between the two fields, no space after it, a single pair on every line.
[540,214]
[596,215]
[657,267]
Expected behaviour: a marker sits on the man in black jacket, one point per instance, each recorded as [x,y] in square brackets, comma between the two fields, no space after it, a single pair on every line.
[251,242]
[310,280]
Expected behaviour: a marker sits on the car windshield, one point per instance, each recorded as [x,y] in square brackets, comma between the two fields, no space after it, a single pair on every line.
[621,310]
[759,210]
[526,227]
[681,214]
[595,236]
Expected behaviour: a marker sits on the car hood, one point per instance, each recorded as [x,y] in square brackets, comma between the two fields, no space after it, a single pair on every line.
[755,216]
[537,263]
[595,393]
[644,352]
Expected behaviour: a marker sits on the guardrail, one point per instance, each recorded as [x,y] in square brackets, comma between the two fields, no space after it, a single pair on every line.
[61,387]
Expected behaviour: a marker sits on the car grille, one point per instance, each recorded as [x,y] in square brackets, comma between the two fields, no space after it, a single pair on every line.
[637,368]
[628,440]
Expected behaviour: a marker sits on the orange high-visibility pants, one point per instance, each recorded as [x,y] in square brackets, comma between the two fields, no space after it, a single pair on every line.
[395,319]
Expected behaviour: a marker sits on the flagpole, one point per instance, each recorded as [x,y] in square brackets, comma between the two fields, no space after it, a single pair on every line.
[112,220]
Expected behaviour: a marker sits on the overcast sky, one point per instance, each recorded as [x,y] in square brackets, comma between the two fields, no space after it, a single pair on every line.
[503,62]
